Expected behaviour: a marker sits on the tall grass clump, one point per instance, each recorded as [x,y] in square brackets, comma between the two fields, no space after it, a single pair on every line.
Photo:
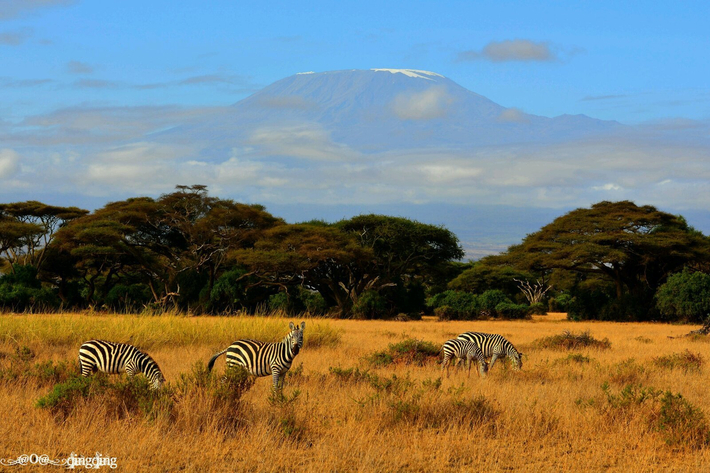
[408,352]
[205,401]
[68,330]
[681,423]
[685,361]
[124,397]
[571,341]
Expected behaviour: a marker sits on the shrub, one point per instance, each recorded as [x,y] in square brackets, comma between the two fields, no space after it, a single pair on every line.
[229,291]
[489,300]
[123,297]
[627,372]
[370,305]
[681,423]
[512,311]
[445,313]
[570,341]
[410,351]
[20,291]
[350,374]
[537,308]
[685,295]
[686,361]
[454,305]
[559,303]
[63,397]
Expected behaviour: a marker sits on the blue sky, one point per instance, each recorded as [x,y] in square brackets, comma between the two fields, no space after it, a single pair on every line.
[627,61]
[86,86]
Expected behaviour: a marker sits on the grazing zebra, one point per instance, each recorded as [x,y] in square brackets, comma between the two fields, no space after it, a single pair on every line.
[109,357]
[263,359]
[463,349]
[495,346]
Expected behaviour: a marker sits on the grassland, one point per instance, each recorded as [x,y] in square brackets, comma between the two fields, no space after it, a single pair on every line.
[600,407]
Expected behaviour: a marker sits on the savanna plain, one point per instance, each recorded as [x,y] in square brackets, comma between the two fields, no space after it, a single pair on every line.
[361,396]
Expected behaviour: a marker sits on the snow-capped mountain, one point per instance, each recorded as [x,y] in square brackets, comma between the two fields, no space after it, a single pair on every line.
[381,110]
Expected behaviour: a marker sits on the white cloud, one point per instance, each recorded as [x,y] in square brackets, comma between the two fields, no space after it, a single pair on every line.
[511,50]
[304,141]
[15,8]
[433,102]
[9,163]
[513,115]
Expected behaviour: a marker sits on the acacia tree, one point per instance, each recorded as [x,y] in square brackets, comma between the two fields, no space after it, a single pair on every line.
[404,249]
[319,257]
[162,238]
[633,247]
[27,228]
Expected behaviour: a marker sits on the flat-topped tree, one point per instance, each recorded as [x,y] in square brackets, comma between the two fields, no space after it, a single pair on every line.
[27,228]
[634,247]
[161,238]
[318,256]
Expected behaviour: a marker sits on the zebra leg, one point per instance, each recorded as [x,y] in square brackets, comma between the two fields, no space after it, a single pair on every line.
[493,360]
[275,375]
[468,362]
[445,365]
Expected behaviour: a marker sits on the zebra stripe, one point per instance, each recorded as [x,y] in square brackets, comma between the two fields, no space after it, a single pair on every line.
[463,349]
[263,359]
[494,346]
[113,358]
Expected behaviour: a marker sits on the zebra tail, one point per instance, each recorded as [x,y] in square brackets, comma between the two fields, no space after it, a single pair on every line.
[210,365]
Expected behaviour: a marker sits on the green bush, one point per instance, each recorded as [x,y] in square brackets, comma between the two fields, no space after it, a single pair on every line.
[370,305]
[537,308]
[559,303]
[458,305]
[681,423]
[128,297]
[686,361]
[228,293]
[685,295]
[489,300]
[509,310]
[409,351]
[570,341]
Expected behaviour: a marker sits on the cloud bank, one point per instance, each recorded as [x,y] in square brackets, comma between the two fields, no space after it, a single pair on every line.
[114,151]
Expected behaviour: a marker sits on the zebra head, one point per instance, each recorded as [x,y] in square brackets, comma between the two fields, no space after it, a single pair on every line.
[157,382]
[483,368]
[152,371]
[295,337]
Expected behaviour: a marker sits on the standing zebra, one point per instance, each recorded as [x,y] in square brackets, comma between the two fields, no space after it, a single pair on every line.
[109,357]
[463,349]
[263,359]
[495,346]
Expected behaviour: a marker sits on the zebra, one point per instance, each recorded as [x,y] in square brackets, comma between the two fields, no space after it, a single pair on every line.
[494,346]
[110,357]
[263,359]
[463,349]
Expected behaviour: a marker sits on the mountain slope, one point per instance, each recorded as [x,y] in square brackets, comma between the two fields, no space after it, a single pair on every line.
[383,110]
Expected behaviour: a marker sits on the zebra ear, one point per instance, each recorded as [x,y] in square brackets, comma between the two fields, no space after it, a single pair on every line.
[303,325]
[291,326]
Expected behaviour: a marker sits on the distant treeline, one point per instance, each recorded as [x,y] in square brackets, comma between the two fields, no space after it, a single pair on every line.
[187,251]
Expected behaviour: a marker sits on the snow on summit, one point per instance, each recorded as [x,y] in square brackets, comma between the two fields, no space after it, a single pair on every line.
[411,73]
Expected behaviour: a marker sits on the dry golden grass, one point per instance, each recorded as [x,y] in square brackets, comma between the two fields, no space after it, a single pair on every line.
[554,415]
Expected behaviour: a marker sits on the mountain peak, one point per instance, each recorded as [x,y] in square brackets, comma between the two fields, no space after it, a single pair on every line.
[411,73]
